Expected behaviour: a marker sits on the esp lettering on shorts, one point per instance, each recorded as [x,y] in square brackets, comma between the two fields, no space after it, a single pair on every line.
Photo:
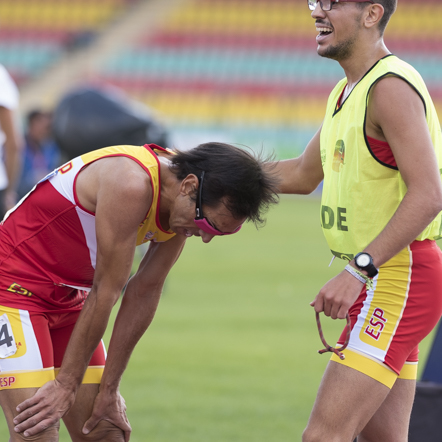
[377,324]
[17,288]
[6,381]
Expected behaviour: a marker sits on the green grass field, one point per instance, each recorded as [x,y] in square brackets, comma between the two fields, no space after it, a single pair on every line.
[232,352]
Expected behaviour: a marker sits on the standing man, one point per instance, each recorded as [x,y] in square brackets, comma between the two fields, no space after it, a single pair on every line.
[41,154]
[379,152]
[11,142]
[66,253]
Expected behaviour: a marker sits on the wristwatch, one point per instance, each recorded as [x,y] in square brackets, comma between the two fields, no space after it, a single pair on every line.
[364,261]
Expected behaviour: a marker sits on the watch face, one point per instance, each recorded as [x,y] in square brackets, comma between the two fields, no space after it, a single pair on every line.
[363,260]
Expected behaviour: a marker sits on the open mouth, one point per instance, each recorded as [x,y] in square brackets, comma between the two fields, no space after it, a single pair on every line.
[324,31]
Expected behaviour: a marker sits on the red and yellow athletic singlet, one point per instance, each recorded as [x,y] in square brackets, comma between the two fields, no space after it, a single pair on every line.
[48,243]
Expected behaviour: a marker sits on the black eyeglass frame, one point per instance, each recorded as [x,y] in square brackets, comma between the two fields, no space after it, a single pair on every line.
[199,199]
[312,4]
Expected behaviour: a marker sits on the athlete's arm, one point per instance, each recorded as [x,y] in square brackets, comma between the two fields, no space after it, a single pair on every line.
[400,114]
[135,315]
[121,195]
[396,114]
[301,175]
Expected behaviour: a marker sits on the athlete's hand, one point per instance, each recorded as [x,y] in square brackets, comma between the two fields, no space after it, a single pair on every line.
[48,405]
[338,295]
[112,408]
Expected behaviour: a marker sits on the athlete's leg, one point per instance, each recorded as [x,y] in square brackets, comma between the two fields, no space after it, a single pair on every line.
[346,401]
[82,411]
[26,364]
[9,399]
[387,326]
[390,423]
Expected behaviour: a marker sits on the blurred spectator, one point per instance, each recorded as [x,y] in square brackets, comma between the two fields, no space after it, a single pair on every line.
[41,154]
[11,142]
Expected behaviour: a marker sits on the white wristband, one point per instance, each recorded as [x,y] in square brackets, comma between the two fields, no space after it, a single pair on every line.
[358,275]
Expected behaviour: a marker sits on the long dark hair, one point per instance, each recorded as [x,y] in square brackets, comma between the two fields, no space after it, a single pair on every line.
[231,174]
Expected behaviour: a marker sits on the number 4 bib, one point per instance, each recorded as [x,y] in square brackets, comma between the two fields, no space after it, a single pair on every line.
[8,347]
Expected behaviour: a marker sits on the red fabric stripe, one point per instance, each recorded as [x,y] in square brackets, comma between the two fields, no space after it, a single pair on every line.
[421,303]
[40,325]
[382,151]
[62,327]
[53,331]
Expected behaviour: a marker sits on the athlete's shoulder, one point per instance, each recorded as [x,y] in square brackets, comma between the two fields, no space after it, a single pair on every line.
[121,172]
[393,66]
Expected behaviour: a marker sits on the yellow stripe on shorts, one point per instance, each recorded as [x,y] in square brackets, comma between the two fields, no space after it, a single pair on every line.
[26,379]
[93,374]
[368,366]
[409,371]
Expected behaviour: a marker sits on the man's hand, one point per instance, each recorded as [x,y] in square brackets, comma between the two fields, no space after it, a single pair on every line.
[338,295]
[49,404]
[110,407]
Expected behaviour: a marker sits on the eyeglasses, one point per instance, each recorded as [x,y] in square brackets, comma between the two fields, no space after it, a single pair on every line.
[202,222]
[326,5]
[337,351]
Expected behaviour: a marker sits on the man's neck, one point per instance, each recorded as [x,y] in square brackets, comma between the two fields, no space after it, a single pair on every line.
[356,66]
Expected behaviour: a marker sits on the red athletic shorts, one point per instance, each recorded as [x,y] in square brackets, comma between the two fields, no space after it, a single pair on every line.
[390,321]
[32,345]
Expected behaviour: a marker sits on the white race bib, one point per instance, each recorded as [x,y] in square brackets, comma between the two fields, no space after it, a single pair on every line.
[8,347]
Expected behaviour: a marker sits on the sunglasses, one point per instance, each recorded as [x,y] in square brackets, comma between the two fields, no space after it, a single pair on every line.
[200,220]
[326,5]
[337,351]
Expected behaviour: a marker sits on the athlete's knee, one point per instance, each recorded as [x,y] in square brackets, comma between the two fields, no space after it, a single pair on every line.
[48,435]
[104,431]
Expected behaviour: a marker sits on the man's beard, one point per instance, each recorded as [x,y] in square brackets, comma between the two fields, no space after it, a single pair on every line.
[338,52]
